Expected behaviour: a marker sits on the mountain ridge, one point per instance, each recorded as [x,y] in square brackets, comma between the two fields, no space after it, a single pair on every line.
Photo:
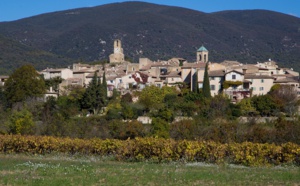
[160,32]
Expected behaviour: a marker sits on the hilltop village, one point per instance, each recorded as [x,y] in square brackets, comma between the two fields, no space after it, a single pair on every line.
[223,102]
[231,78]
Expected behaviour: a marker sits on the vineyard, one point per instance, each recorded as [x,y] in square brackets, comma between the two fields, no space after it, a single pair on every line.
[157,150]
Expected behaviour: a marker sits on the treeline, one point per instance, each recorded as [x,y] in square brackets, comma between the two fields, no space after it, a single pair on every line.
[176,112]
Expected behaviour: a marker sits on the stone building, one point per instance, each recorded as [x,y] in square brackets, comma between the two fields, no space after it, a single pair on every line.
[118,55]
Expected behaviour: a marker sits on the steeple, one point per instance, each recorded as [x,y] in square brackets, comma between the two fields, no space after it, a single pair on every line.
[202,54]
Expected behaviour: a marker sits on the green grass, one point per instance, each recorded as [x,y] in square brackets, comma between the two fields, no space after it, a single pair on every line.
[92,170]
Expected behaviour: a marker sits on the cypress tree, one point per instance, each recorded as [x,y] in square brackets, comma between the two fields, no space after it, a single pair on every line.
[195,87]
[206,85]
[104,85]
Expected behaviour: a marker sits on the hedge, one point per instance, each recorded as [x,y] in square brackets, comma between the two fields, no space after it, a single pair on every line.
[156,149]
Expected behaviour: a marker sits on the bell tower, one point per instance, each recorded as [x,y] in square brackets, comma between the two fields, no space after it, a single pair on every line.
[118,46]
[117,56]
[202,54]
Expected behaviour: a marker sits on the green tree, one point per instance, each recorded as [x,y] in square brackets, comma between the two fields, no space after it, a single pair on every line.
[264,104]
[247,108]
[195,86]
[53,82]
[89,98]
[21,122]
[206,85]
[95,96]
[104,86]
[152,97]
[160,128]
[25,82]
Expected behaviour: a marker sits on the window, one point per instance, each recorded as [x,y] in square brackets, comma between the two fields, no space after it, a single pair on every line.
[212,78]
[233,76]
[261,88]
[212,87]
[261,80]
[253,88]
[220,87]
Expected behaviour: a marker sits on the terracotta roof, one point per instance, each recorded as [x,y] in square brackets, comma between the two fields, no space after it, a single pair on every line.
[172,74]
[83,71]
[99,74]
[286,80]
[194,65]
[142,79]
[230,63]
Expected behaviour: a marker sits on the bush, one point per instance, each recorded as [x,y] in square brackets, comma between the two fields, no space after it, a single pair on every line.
[157,149]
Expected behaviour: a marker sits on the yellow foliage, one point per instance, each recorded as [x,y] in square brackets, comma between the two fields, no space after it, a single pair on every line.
[156,149]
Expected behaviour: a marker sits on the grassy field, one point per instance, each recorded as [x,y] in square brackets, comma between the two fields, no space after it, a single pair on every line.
[91,170]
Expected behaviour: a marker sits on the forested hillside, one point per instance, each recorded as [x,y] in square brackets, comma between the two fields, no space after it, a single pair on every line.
[153,31]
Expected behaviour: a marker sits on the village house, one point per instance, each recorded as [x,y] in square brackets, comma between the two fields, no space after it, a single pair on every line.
[63,73]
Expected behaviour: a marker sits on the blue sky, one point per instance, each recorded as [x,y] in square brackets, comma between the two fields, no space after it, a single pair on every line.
[17,9]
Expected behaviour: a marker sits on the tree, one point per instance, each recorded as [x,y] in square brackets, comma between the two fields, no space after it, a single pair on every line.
[285,96]
[160,128]
[206,85]
[21,122]
[89,98]
[152,97]
[195,86]
[53,82]
[24,83]
[264,104]
[184,129]
[95,96]
[247,108]
[104,86]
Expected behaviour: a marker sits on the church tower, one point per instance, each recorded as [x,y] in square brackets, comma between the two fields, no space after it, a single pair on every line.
[117,56]
[118,47]
[202,54]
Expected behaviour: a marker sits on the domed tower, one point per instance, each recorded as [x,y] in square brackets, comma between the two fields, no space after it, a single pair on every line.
[117,56]
[202,54]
